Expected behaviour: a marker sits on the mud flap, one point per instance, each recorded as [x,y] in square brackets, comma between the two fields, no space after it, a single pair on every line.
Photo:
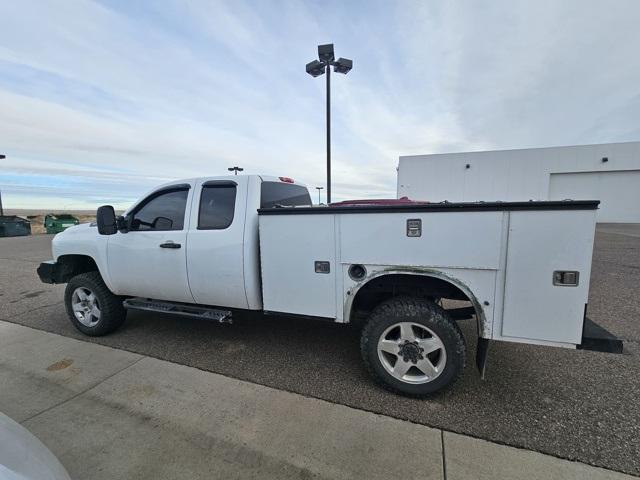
[599,339]
[482,351]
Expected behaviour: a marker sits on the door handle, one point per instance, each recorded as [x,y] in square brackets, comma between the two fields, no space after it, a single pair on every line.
[170,244]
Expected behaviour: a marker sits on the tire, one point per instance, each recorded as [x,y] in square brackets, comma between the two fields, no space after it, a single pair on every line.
[422,337]
[86,291]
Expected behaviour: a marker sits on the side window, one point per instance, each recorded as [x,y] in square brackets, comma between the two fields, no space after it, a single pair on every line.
[164,211]
[217,207]
[283,194]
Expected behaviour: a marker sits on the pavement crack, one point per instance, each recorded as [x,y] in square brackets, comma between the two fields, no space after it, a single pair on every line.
[73,397]
[444,456]
[35,309]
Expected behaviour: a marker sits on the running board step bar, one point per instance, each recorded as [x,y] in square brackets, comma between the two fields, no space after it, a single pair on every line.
[183,309]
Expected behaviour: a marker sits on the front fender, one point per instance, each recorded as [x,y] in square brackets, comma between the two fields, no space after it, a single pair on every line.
[83,240]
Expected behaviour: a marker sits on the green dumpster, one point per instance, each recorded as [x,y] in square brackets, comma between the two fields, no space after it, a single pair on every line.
[56,223]
[14,226]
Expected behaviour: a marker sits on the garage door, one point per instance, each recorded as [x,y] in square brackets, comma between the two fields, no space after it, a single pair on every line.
[618,192]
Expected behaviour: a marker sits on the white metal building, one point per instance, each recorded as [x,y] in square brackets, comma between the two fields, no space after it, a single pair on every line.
[608,172]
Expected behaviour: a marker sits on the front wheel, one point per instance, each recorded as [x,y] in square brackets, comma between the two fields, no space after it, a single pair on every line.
[411,346]
[91,306]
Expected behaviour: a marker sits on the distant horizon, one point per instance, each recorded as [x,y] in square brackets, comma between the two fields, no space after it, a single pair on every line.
[44,211]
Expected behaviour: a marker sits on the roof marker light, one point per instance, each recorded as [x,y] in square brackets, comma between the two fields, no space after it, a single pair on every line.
[286,179]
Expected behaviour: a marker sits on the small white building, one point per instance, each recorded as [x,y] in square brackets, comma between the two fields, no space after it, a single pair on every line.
[608,172]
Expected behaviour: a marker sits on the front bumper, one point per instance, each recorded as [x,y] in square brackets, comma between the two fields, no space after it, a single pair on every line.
[53,272]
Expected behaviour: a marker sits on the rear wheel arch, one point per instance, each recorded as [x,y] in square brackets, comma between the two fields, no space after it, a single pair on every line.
[387,284]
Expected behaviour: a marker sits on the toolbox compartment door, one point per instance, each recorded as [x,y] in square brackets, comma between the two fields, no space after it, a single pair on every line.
[298,262]
[536,308]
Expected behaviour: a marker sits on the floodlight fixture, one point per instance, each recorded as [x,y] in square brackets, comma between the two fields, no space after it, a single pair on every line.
[325,53]
[315,68]
[235,170]
[342,65]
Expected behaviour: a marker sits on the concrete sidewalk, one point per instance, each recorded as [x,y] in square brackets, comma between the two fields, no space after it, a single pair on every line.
[108,413]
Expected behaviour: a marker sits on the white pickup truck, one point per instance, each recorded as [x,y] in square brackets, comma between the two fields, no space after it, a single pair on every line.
[211,247]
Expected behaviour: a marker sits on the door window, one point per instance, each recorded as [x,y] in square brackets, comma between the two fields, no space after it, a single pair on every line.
[217,207]
[162,211]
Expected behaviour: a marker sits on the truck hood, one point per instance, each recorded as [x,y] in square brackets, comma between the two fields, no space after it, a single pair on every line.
[77,230]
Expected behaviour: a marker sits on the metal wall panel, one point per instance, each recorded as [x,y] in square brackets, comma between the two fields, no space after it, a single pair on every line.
[618,192]
[526,174]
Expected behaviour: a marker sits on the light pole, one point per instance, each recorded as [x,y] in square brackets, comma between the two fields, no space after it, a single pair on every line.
[2,157]
[319,188]
[315,69]
[235,169]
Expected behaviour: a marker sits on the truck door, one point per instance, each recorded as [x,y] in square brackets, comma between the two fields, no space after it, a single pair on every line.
[150,259]
[215,243]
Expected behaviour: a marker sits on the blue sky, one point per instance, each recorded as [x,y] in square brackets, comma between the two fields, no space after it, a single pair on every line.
[100,101]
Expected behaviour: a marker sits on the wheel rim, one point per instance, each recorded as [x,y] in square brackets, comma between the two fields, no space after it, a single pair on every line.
[85,306]
[412,353]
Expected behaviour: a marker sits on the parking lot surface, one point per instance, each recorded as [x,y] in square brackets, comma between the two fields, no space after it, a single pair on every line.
[572,404]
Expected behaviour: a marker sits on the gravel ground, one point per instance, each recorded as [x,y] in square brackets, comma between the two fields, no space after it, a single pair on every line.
[573,404]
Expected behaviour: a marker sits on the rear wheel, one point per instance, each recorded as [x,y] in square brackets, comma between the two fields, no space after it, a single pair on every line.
[91,306]
[411,346]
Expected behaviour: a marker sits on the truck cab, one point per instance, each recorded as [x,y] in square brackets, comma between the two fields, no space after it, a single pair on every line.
[191,241]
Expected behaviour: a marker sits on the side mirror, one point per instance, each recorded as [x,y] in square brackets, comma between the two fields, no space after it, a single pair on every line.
[106,219]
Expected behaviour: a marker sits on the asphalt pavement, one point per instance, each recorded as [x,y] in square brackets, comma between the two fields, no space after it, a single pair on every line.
[572,404]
